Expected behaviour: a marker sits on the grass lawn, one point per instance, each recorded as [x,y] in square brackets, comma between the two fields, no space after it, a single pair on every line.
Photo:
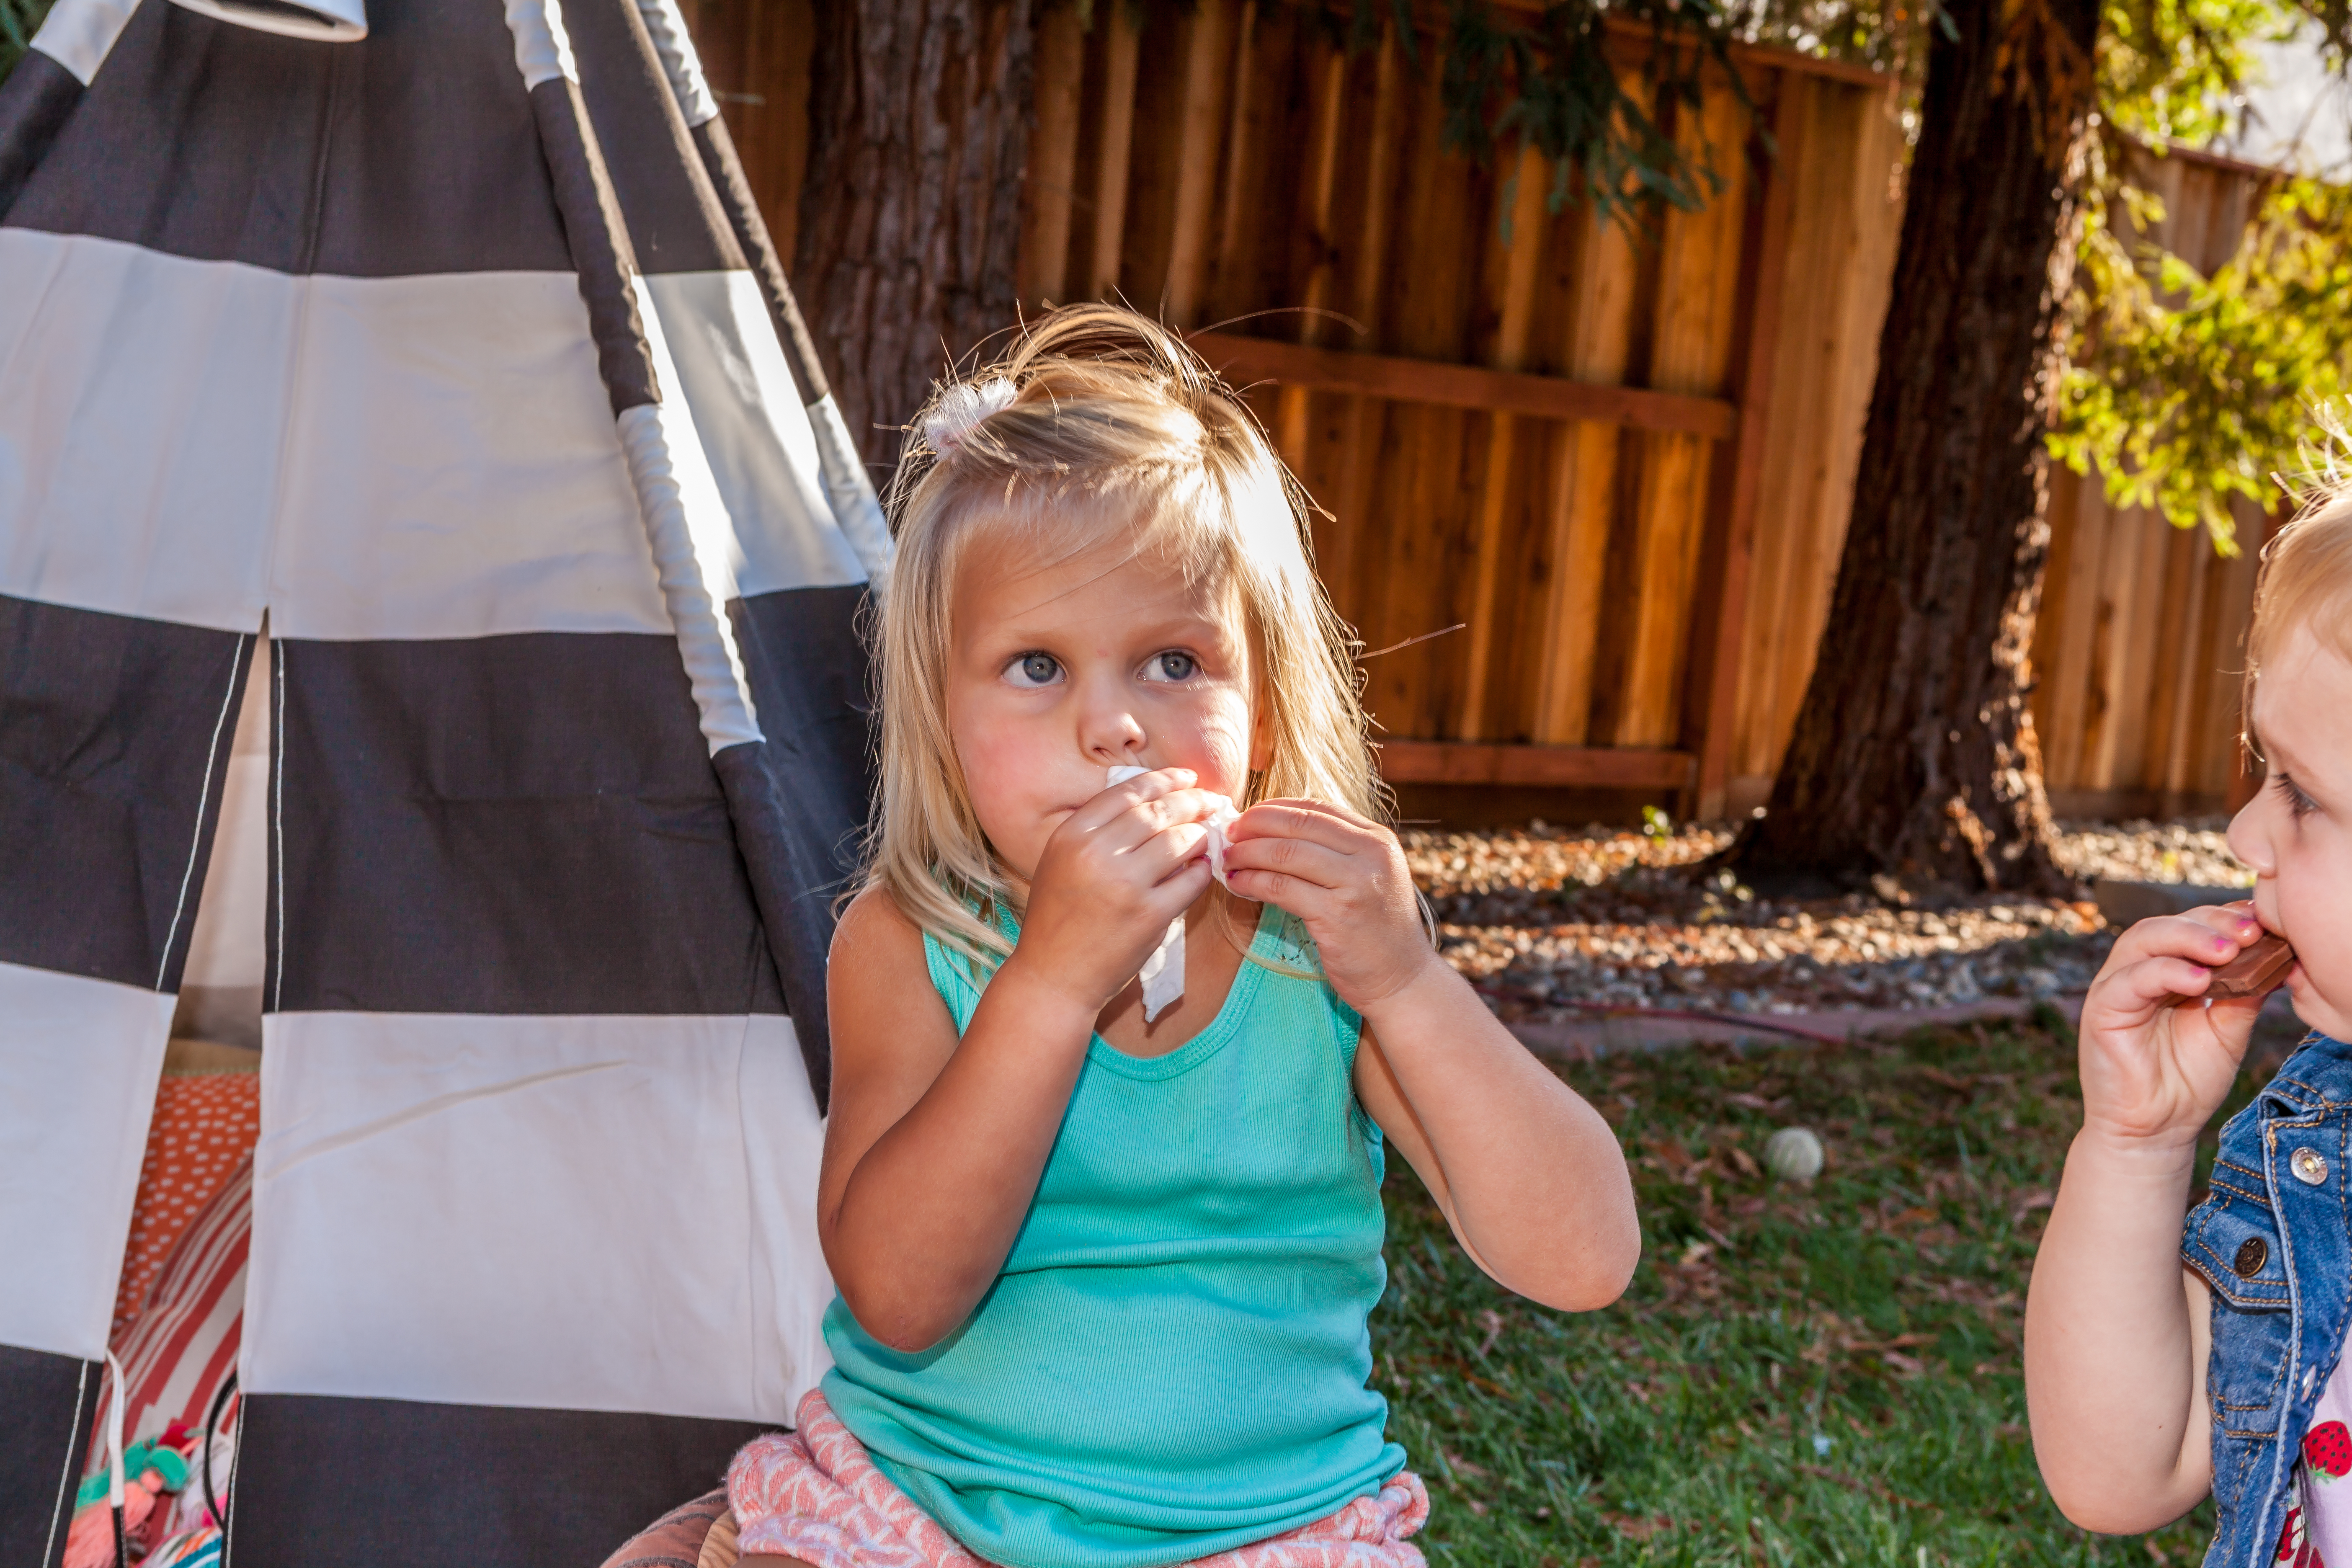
[1798,1376]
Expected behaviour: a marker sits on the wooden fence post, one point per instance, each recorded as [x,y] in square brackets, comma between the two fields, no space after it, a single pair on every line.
[1527,225]
[1050,182]
[1712,708]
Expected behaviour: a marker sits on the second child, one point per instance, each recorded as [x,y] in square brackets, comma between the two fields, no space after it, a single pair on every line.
[2166,1362]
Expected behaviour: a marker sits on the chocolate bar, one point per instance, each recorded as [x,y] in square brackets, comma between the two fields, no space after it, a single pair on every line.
[2253,972]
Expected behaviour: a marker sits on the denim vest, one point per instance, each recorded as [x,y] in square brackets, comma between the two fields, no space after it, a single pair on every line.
[2275,1243]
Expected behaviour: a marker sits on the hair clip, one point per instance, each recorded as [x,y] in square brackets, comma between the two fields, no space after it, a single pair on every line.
[961,409]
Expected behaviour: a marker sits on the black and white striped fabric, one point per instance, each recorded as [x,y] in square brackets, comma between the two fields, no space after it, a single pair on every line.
[442,338]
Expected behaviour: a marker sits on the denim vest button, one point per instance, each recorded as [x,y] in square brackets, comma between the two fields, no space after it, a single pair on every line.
[2251,1257]
[2310,1166]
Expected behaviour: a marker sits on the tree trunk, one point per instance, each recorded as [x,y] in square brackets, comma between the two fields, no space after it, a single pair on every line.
[1913,752]
[911,212]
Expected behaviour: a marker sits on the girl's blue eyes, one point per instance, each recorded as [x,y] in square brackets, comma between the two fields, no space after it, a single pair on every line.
[1034,670]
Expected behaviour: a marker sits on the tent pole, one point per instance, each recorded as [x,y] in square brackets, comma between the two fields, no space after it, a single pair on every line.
[848,486]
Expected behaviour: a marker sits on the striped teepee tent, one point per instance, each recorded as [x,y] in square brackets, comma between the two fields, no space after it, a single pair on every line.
[437,342]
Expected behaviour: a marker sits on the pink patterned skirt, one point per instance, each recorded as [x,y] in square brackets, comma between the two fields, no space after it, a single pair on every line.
[814,1495]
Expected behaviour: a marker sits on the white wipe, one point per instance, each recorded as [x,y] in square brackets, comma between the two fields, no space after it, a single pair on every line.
[1163,972]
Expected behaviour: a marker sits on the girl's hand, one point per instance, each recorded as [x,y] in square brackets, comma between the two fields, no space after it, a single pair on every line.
[2152,1071]
[1346,878]
[1111,877]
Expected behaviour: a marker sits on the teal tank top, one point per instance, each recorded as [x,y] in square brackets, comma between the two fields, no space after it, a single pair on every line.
[1174,1358]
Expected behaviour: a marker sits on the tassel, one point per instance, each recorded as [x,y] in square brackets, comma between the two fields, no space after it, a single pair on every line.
[90,1543]
[110,1512]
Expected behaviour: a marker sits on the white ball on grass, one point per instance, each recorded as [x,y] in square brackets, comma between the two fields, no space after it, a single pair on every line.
[1794,1155]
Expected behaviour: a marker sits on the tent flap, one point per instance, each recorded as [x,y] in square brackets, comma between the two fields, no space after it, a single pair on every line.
[567,755]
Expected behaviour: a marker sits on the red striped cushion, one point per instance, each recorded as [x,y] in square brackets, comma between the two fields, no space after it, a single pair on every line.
[182,1348]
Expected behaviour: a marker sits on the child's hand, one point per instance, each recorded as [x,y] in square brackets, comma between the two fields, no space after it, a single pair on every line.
[1111,877]
[1346,878]
[2152,1069]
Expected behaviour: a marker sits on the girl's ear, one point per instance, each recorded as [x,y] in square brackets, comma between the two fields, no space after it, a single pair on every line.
[1261,752]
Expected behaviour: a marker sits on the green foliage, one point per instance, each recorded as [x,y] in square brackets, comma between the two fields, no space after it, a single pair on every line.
[2185,391]
[2171,71]
[19,20]
[1823,1375]
[1549,82]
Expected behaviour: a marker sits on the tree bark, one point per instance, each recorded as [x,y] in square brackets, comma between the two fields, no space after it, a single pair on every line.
[1913,752]
[911,212]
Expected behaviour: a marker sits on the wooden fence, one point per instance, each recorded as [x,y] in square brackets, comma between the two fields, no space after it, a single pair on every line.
[1622,459]
[2140,647]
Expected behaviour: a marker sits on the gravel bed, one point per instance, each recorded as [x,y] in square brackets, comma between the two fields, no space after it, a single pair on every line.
[1552,922]
[2196,850]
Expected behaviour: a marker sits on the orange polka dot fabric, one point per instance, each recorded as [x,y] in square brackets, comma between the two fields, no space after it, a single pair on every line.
[204,1125]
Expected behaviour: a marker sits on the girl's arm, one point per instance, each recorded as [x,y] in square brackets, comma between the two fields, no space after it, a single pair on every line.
[2115,1329]
[934,1147]
[1526,1173]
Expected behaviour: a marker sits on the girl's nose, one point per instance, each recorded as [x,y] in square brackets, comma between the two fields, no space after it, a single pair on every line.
[1109,732]
[2249,838]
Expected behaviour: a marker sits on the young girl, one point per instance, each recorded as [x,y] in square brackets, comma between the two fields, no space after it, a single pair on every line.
[1104,1278]
[2159,1363]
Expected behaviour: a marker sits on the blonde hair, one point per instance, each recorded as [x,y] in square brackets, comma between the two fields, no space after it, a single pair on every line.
[2306,581]
[1100,424]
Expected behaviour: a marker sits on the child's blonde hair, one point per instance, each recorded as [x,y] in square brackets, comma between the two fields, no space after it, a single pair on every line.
[2306,581]
[1099,426]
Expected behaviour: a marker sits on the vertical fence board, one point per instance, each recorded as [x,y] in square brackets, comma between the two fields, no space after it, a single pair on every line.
[1311,258]
[2062,701]
[2123,568]
[1504,474]
[2143,633]
[1857,202]
[1727,571]
[1593,328]
[1427,453]
[2172,656]
[1376,111]
[1698,279]
[2220,754]
[1111,79]
[1208,83]
[2042,663]
[1049,186]
[1157,163]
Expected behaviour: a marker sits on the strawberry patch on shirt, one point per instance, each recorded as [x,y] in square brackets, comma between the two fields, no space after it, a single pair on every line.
[2319,1529]
[2328,1449]
[2295,1547]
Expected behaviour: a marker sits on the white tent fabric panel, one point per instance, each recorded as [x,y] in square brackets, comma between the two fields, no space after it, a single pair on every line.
[79,1061]
[407,1244]
[470,484]
[320,21]
[78,34]
[140,401]
[762,453]
[183,441]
